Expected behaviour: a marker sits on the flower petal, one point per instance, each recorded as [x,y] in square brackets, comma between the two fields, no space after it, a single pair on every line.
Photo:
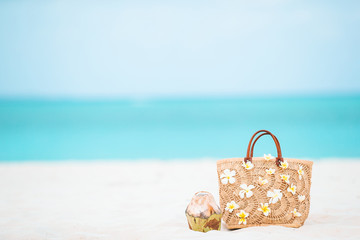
[249,194]
[242,193]
[231,180]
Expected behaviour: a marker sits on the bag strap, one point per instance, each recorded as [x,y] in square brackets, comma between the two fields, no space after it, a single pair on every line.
[249,154]
[253,145]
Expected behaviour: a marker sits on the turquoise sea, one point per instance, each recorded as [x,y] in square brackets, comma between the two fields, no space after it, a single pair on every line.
[307,127]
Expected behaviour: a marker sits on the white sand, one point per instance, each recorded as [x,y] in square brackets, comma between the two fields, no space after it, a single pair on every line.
[146,200]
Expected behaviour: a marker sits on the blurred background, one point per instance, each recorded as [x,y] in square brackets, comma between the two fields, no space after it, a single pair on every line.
[129,80]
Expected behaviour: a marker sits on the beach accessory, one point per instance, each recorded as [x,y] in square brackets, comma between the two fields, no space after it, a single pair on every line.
[264,190]
[202,213]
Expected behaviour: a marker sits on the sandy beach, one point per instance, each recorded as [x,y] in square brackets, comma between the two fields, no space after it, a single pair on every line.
[147,200]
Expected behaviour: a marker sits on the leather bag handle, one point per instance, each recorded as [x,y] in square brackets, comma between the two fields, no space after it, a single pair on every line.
[250,150]
[253,145]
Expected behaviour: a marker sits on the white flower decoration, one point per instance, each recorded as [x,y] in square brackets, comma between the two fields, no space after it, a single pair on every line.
[284,164]
[265,208]
[270,171]
[295,213]
[228,176]
[246,190]
[300,172]
[292,189]
[268,157]
[242,215]
[262,181]
[285,178]
[301,198]
[274,196]
[247,165]
[231,206]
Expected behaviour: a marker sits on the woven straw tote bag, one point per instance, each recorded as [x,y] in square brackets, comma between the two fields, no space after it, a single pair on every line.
[264,191]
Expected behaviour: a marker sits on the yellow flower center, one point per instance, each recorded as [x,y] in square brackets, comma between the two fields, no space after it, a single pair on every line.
[228,177]
[284,165]
[231,206]
[242,220]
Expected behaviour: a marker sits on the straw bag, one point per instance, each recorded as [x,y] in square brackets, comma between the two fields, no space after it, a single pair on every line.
[264,190]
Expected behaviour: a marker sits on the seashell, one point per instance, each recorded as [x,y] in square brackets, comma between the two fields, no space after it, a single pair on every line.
[202,213]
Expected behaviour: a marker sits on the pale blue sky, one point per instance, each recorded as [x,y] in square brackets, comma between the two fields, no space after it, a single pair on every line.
[166,48]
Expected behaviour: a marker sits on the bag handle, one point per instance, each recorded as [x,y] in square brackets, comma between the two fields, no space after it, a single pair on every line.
[253,145]
[249,154]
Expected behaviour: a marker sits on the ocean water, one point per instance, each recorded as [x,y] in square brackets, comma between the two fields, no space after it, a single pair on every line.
[307,127]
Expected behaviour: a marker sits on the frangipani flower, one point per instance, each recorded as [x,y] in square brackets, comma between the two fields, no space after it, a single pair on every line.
[268,157]
[284,164]
[285,178]
[300,172]
[292,189]
[301,198]
[228,176]
[262,181]
[270,171]
[274,196]
[246,190]
[247,165]
[295,213]
[242,215]
[230,206]
[265,208]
